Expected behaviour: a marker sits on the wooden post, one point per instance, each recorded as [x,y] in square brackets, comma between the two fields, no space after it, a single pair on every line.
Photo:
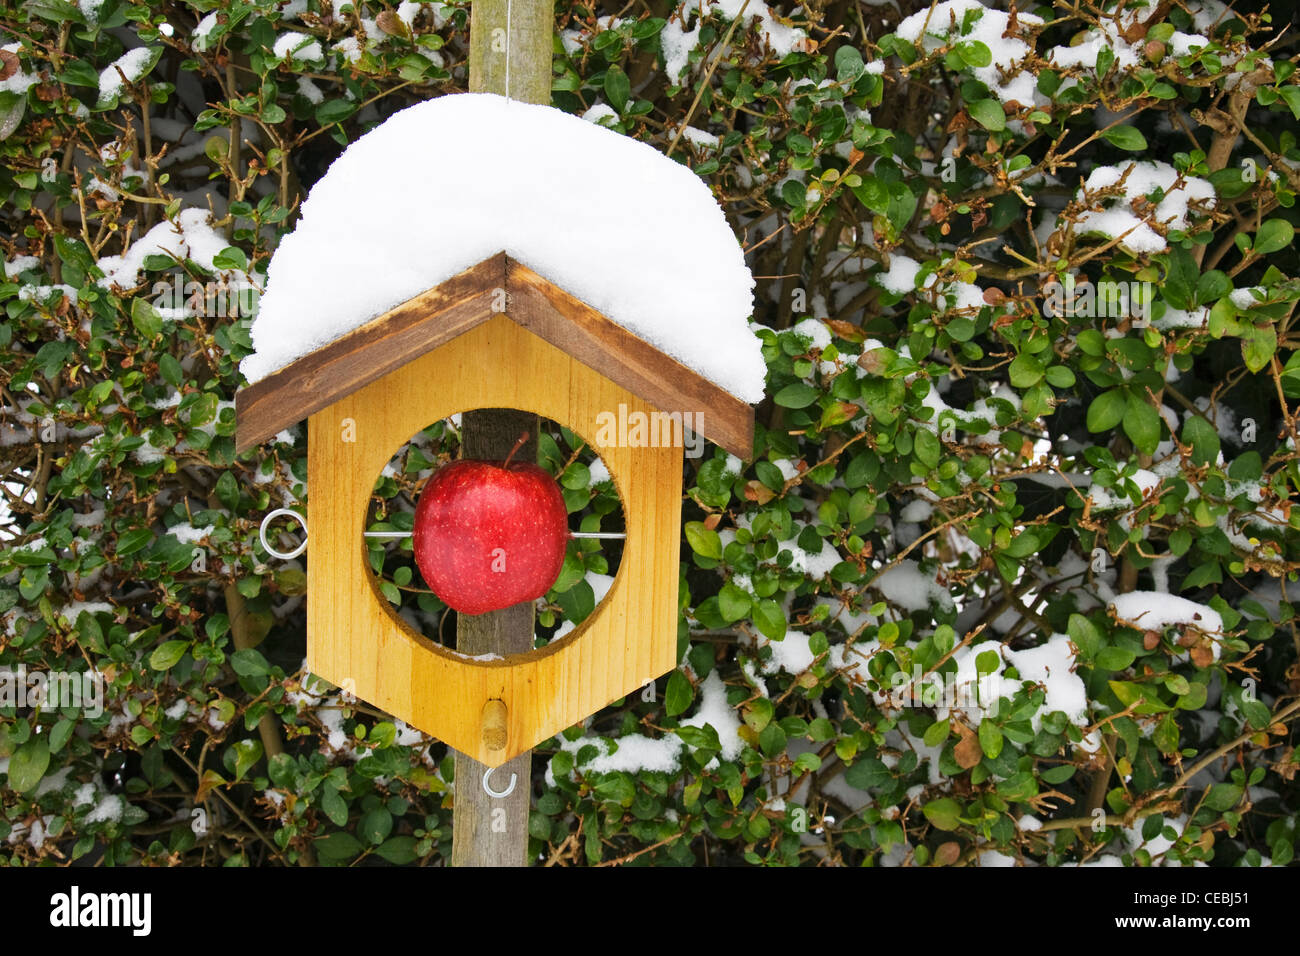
[510,54]
[510,42]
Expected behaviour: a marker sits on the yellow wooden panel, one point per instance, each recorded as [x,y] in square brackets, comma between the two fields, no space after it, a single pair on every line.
[353,633]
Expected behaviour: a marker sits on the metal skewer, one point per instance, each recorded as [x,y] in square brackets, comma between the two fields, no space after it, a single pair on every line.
[391,535]
[611,535]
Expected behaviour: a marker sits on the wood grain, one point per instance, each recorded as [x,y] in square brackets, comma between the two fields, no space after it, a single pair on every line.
[353,633]
[570,324]
[488,830]
[367,353]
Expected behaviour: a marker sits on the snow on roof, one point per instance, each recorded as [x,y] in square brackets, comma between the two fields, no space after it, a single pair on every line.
[449,182]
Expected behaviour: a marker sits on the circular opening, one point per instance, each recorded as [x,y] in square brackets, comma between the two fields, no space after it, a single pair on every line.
[590,498]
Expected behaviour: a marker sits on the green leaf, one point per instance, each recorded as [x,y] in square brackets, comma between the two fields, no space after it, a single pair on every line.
[1248,466]
[1181,276]
[1060,376]
[231,258]
[703,541]
[1258,345]
[134,540]
[167,654]
[171,370]
[617,88]
[576,477]
[936,733]
[989,114]
[399,850]
[13,107]
[1105,60]
[146,319]
[701,738]
[1223,796]
[79,73]
[1212,286]
[848,63]
[1291,94]
[772,740]
[1274,235]
[375,826]
[1115,658]
[1203,438]
[334,111]
[645,29]
[1166,735]
[944,813]
[868,773]
[976,54]
[338,846]
[61,733]
[1058,774]
[334,806]
[797,395]
[249,662]
[902,205]
[1107,410]
[679,694]
[733,603]
[247,753]
[1126,137]
[1025,370]
[770,619]
[28,764]
[927,448]
[990,738]
[808,762]
[1142,424]
[758,714]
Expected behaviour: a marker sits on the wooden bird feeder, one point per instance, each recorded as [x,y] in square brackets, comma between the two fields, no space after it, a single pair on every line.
[498,335]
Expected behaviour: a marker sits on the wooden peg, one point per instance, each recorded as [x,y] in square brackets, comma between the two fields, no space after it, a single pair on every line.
[493,724]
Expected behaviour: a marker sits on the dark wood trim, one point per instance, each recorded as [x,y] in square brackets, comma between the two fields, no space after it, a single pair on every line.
[571,325]
[437,316]
[365,354]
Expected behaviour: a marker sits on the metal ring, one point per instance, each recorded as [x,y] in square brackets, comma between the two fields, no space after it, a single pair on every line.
[283,555]
[510,788]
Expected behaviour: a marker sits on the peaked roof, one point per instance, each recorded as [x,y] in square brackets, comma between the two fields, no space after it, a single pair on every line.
[435,317]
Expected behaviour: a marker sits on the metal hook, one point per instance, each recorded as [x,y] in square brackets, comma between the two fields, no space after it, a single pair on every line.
[510,787]
[283,555]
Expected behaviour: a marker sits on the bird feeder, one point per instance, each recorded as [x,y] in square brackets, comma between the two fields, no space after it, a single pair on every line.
[439,354]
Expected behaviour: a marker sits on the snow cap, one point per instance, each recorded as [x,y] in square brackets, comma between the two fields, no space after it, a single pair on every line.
[449,182]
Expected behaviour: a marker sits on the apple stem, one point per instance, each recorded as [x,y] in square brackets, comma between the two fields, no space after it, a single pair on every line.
[519,444]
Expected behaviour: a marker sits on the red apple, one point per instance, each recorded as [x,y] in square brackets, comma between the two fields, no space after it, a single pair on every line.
[489,535]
